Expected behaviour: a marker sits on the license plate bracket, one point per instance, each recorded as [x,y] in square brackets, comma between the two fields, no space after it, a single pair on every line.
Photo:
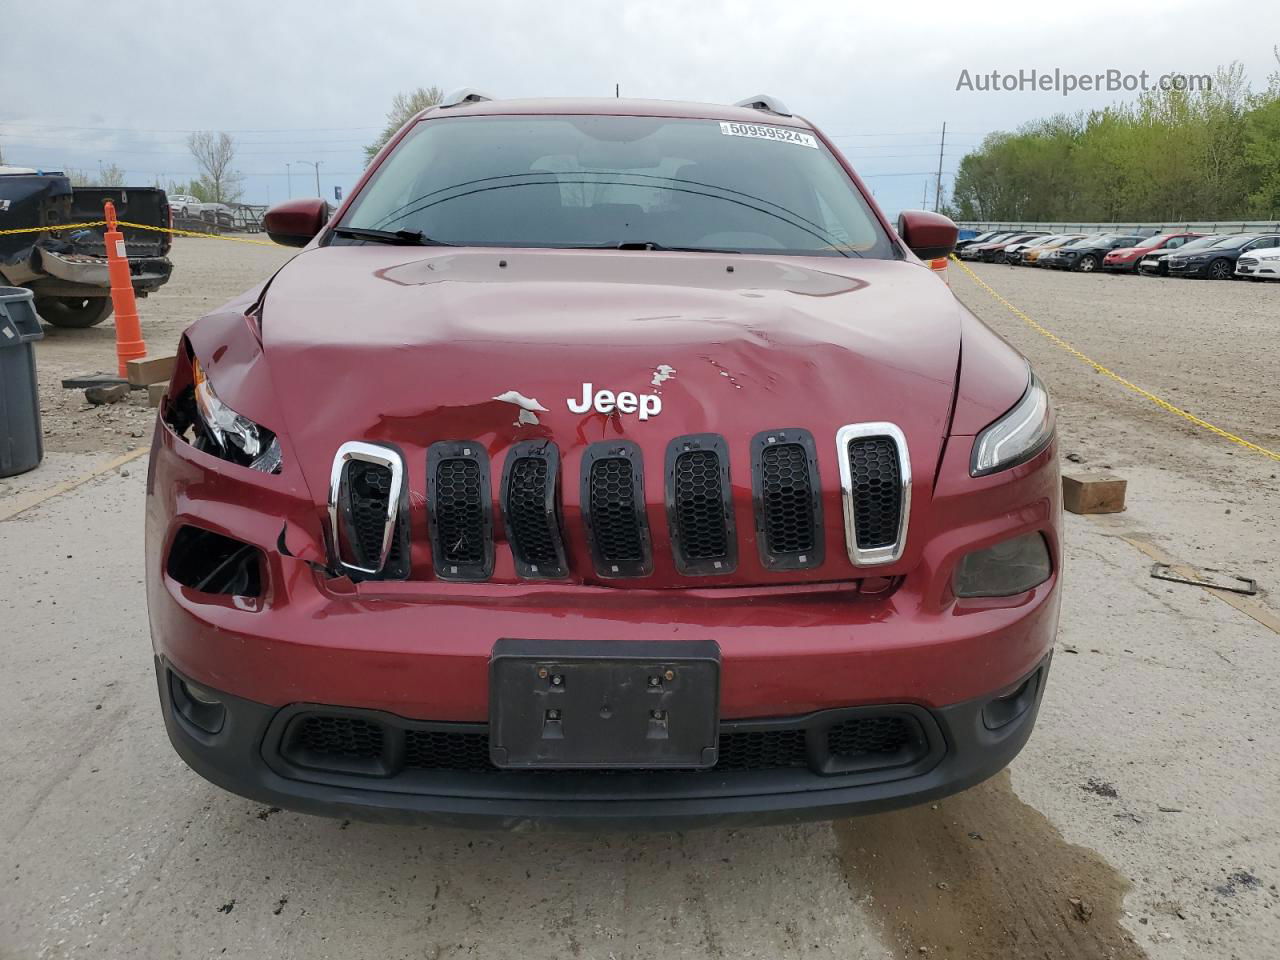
[573,704]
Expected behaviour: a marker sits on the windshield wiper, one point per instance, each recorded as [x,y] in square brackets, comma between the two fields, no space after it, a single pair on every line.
[407,238]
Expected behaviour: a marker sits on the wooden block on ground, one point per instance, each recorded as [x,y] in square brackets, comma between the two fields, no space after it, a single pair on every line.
[156,392]
[150,370]
[1093,493]
[112,393]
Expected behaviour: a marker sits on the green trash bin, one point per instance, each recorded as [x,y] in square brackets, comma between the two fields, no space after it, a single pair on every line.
[21,440]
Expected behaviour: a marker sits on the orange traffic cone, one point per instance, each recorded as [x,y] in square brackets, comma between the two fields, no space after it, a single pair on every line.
[129,342]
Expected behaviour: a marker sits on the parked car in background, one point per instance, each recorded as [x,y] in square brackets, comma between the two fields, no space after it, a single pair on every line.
[1126,259]
[185,205]
[996,253]
[1218,262]
[1259,265]
[219,214]
[1015,252]
[1156,263]
[1014,248]
[970,251]
[1086,255]
[993,252]
[67,269]
[1032,256]
[980,238]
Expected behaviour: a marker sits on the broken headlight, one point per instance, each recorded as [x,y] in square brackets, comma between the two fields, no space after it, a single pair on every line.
[226,434]
[1017,436]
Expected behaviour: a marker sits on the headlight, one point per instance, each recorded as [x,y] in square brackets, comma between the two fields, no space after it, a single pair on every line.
[1005,569]
[236,438]
[1017,436]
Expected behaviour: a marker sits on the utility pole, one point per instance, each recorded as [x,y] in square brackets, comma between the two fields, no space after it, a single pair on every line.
[617,90]
[288,172]
[937,196]
[924,201]
[316,164]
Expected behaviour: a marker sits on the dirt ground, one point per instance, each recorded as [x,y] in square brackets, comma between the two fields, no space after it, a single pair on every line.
[1140,821]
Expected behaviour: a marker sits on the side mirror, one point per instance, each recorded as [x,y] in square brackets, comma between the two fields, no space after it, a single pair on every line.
[295,222]
[927,235]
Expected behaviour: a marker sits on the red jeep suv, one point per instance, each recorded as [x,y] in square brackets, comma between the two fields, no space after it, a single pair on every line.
[602,461]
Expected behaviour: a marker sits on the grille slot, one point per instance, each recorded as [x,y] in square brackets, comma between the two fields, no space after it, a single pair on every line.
[384,745]
[875,477]
[788,505]
[868,735]
[339,742]
[614,510]
[761,750]
[699,505]
[876,482]
[366,491]
[529,506]
[441,750]
[459,502]
[370,492]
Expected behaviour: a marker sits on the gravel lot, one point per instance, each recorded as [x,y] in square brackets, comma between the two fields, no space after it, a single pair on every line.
[1140,820]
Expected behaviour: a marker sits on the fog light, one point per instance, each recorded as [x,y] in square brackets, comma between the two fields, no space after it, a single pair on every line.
[1004,569]
[198,706]
[1008,708]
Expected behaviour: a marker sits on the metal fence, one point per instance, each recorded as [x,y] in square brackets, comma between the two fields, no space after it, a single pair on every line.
[1079,226]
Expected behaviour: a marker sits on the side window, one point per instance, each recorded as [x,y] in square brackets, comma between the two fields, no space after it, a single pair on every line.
[1176,242]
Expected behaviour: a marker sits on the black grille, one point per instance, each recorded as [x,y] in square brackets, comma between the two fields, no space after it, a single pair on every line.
[529,506]
[699,506]
[365,501]
[338,737]
[875,476]
[460,510]
[788,505]
[761,750]
[369,486]
[348,743]
[613,498]
[441,750]
[869,735]
[613,511]
[344,738]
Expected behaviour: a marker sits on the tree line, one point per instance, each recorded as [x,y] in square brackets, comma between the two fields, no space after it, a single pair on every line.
[1170,156]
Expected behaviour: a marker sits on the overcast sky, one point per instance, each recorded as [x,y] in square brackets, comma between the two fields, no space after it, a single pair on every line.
[90,82]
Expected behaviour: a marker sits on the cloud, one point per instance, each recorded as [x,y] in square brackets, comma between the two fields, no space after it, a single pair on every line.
[280,71]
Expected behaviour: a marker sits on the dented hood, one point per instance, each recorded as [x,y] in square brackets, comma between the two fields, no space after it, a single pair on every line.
[410,346]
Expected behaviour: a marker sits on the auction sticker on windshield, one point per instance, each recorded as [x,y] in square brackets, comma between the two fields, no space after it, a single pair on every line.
[781,134]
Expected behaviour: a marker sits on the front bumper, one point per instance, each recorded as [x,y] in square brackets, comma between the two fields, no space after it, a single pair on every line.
[1118,266]
[1260,269]
[959,746]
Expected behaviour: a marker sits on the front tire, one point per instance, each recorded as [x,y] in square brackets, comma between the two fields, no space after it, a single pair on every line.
[74,313]
[1219,270]
[1088,263]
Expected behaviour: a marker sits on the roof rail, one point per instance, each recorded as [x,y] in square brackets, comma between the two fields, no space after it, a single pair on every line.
[762,101]
[464,96]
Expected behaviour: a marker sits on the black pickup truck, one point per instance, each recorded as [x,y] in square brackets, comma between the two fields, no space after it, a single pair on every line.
[67,269]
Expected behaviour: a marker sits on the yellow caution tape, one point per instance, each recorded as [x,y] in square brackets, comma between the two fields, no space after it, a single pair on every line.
[59,227]
[194,233]
[1127,384]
